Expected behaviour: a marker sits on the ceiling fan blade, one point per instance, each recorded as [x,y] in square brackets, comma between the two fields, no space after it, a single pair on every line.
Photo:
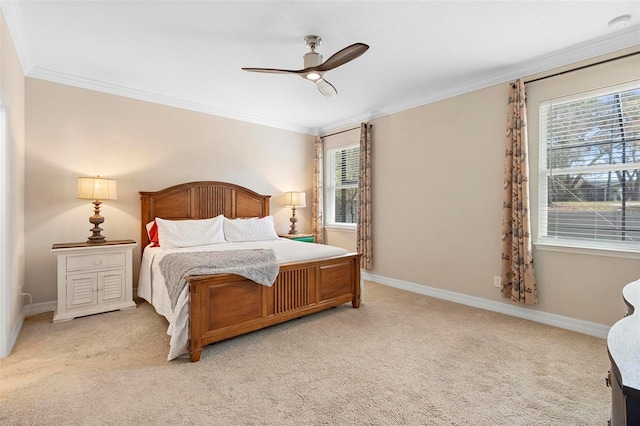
[343,56]
[274,70]
[326,88]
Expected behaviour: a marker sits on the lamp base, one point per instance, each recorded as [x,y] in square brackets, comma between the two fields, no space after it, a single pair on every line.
[293,220]
[96,220]
[97,239]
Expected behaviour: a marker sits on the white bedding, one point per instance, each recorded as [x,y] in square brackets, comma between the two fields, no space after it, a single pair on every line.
[152,288]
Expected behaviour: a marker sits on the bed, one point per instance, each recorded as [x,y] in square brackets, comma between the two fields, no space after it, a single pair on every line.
[215,307]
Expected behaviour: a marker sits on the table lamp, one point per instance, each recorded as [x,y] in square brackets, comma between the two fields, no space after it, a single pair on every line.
[96,189]
[294,199]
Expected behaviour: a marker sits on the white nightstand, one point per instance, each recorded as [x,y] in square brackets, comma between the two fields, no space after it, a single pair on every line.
[93,278]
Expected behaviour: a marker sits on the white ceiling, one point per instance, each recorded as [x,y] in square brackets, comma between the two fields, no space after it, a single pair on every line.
[189,54]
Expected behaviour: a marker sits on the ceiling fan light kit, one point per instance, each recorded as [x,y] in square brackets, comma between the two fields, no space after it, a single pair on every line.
[314,69]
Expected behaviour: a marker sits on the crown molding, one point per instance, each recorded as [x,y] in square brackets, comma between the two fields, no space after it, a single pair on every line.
[587,50]
[13,19]
[619,40]
[99,86]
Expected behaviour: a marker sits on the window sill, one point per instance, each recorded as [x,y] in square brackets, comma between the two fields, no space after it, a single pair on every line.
[568,248]
[341,228]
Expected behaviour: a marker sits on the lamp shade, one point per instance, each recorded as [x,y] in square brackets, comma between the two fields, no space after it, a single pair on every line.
[97,188]
[295,199]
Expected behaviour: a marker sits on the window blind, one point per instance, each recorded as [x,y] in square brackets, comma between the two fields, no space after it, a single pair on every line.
[589,182]
[341,200]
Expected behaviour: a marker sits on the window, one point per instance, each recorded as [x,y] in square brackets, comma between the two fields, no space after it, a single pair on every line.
[341,198]
[589,175]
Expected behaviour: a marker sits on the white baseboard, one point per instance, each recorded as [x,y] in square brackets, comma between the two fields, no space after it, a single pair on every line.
[38,308]
[27,311]
[15,332]
[580,326]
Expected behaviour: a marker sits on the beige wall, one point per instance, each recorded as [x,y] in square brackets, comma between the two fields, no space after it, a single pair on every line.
[438,202]
[75,132]
[437,180]
[437,188]
[12,87]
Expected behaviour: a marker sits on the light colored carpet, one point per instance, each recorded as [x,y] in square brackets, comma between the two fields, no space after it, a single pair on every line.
[401,359]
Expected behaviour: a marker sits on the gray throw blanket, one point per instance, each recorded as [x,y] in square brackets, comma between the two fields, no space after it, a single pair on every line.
[258,265]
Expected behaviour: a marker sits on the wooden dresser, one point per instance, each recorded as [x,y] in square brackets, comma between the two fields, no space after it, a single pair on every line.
[623,345]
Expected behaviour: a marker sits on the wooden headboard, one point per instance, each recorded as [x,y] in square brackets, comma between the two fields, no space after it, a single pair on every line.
[200,200]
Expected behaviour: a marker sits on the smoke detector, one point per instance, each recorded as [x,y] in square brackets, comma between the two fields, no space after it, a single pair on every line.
[620,22]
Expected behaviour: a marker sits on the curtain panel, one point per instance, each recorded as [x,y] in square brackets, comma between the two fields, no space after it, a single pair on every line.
[317,206]
[364,237]
[517,275]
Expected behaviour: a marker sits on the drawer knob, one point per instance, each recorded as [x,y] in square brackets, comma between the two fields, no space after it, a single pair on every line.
[97,262]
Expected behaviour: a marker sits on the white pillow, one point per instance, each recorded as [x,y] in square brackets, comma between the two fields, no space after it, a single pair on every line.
[254,229]
[190,233]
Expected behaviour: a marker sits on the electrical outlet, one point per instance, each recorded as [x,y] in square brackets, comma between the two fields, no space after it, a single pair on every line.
[497,282]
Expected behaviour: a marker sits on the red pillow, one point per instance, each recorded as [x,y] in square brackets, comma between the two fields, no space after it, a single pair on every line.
[153,234]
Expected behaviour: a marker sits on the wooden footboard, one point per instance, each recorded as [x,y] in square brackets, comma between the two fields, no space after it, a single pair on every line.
[225,306]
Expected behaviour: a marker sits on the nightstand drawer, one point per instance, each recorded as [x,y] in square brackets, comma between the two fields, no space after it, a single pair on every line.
[95,261]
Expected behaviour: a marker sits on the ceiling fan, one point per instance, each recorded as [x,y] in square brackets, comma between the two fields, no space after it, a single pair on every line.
[314,68]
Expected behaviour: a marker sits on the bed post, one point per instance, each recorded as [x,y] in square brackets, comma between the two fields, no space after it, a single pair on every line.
[357,283]
[144,212]
[195,327]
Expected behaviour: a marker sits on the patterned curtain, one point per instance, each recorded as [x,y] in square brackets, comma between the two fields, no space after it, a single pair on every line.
[518,278]
[364,198]
[317,207]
